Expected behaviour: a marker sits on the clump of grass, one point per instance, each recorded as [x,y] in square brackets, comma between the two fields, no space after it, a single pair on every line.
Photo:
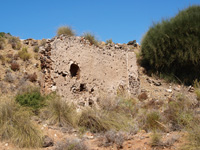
[16,126]
[101,120]
[2,43]
[3,60]
[30,97]
[15,42]
[65,30]
[91,38]
[24,55]
[59,111]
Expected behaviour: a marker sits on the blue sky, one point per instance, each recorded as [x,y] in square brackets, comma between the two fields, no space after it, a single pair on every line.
[121,20]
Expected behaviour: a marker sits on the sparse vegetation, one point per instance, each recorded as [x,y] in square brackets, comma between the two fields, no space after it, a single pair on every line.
[43,42]
[16,126]
[65,30]
[24,55]
[91,38]
[171,47]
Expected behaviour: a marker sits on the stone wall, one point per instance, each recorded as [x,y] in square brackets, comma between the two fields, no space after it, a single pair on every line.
[81,72]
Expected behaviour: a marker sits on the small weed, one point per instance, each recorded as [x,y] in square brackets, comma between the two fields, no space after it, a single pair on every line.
[65,30]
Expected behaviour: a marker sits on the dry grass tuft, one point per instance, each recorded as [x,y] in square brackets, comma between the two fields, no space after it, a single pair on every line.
[15,125]
[59,112]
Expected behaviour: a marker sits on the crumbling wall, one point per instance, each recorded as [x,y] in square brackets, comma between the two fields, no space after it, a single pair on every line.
[82,72]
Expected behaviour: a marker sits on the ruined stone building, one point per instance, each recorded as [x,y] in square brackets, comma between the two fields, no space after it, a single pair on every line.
[82,72]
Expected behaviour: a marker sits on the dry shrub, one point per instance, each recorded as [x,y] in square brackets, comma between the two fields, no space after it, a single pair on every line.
[16,126]
[65,30]
[14,66]
[15,57]
[74,144]
[113,137]
[32,77]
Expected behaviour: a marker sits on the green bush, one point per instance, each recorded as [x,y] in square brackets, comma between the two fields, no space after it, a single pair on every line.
[23,54]
[30,97]
[65,30]
[16,126]
[91,38]
[171,47]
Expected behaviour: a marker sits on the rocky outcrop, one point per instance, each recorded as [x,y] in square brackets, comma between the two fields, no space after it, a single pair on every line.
[82,72]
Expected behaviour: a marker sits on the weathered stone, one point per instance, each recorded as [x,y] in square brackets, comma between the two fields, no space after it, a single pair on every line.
[82,72]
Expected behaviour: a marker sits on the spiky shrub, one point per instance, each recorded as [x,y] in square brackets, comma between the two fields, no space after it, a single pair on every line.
[30,97]
[24,55]
[65,30]
[2,43]
[171,47]
[91,38]
[15,42]
[59,112]
[16,126]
